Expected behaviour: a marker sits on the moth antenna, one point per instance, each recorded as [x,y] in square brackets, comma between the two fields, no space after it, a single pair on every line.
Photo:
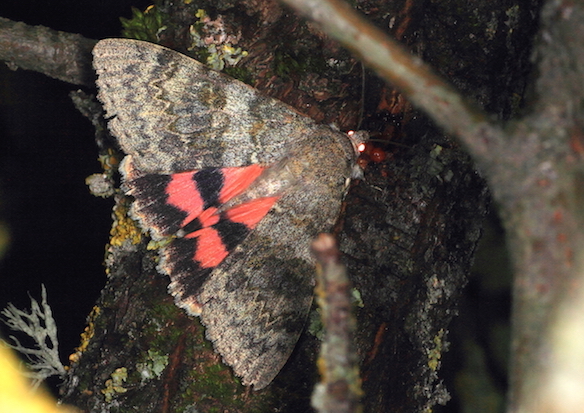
[362,108]
[386,142]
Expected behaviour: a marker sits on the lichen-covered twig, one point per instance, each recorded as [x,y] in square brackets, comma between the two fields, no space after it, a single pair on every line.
[40,325]
[340,388]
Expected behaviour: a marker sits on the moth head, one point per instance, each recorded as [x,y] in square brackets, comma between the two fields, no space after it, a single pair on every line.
[358,140]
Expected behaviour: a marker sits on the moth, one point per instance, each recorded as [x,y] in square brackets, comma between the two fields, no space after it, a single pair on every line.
[238,184]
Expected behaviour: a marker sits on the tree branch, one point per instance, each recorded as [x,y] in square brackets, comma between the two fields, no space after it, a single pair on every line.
[60,55]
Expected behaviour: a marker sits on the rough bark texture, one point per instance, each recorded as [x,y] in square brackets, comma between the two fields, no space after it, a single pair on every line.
[409,230]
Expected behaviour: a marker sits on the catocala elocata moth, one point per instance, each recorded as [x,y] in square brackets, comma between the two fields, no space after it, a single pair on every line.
[240,182]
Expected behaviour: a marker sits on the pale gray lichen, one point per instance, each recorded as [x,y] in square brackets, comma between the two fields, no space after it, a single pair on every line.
[40,325]
[100,185]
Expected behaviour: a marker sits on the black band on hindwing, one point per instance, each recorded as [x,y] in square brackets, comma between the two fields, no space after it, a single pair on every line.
[152,205]
[231,233]
[209,182]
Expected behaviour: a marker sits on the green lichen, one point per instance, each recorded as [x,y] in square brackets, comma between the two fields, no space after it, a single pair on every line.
[356,298]
[159,315]
[157,244]
[164,311]
[153,366]
[286,63]
[146,25]
[315,326]
[239,73]
[208,382]
[213,43]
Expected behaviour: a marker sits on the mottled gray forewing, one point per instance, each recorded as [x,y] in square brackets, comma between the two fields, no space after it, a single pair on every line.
[171,113]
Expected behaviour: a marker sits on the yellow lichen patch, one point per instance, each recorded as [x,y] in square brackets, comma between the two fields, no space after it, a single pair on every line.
[86,335]
[124,228]
[114,385]
[110,160]
[435,354]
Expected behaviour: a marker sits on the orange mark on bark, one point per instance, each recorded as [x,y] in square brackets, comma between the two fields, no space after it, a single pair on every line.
[377,342]
[406,19]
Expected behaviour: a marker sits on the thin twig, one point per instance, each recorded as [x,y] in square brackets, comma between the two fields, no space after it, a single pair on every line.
[340,388]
